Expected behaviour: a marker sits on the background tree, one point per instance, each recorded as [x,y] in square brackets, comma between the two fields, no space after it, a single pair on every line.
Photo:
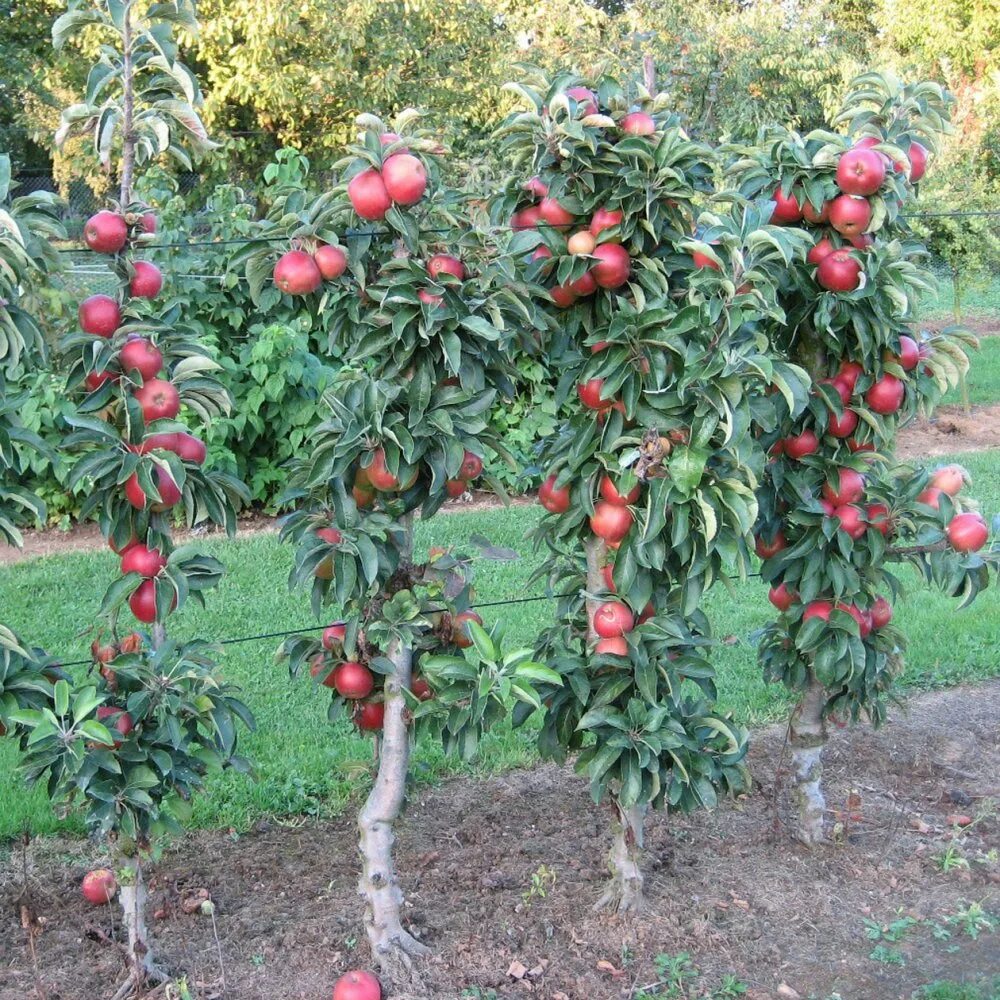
[651,474]
[837,509]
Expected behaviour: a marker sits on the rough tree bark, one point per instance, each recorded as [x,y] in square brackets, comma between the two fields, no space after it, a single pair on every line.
[132,897]
[623,893]
[391,944]
[807,737]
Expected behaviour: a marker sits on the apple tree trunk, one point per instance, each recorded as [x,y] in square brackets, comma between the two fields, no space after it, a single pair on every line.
[806,738]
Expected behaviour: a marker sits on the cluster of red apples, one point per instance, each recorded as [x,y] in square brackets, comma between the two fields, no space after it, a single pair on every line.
[861,171]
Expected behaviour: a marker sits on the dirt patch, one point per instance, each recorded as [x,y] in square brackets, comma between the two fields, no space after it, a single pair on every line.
[87,537]
[982,325]
[951,430]
[727,887]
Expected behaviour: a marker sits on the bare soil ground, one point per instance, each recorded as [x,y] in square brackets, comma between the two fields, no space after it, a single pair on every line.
[951,430]
[727,887]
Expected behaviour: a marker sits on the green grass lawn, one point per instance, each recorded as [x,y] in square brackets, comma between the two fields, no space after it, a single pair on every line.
[983,382]
[307,766]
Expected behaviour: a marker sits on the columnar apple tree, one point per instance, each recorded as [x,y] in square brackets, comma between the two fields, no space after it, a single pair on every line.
[27,224]
[650,481]
[838,511]
[428,318]
[136,739]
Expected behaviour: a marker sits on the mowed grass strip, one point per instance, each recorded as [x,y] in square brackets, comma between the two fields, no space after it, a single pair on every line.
[983,381]
[306,766]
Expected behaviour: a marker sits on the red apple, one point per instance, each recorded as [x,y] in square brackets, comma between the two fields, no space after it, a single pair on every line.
[331,261]
[353,680]
[368,715]
[787,210]
[368,195]
[554,214]
[852,520]
[605,218]
[948,479]
[881,612]
[850,488]
[95,380]
[886,395]
[838,271]
[767,550]
[460,635]
[918,162]
[146,280]
[536,186]
[818,609]
[143,560]
[931,496]
[140,355]
[99,315]
[442,263]
[610,492]
[585,285]
[850,215]
[189,449]
[877,516]
[563,296]
[909,354]
[610,522]
[798,446]
[170,495]
[116,720]
[471,467]
[850,372]
[860,171]
[586,99]
[554,499]
[526,218]
[590,394]
[105,232]
[638,123]
[334,635]
[781,597]
[99,887]
[616,645]
[297,273]
[613,265]
[143,602]
[967,532]
[612,619]
[358,985]
[405,178]
[844,425]
[159,400]
[815,216]
[822,249]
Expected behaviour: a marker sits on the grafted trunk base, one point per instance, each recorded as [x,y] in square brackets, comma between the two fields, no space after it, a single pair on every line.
[393,947]
[624,891]
[144,970]
[807,738]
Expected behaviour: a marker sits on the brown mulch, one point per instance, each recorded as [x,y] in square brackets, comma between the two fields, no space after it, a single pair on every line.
[727,887]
